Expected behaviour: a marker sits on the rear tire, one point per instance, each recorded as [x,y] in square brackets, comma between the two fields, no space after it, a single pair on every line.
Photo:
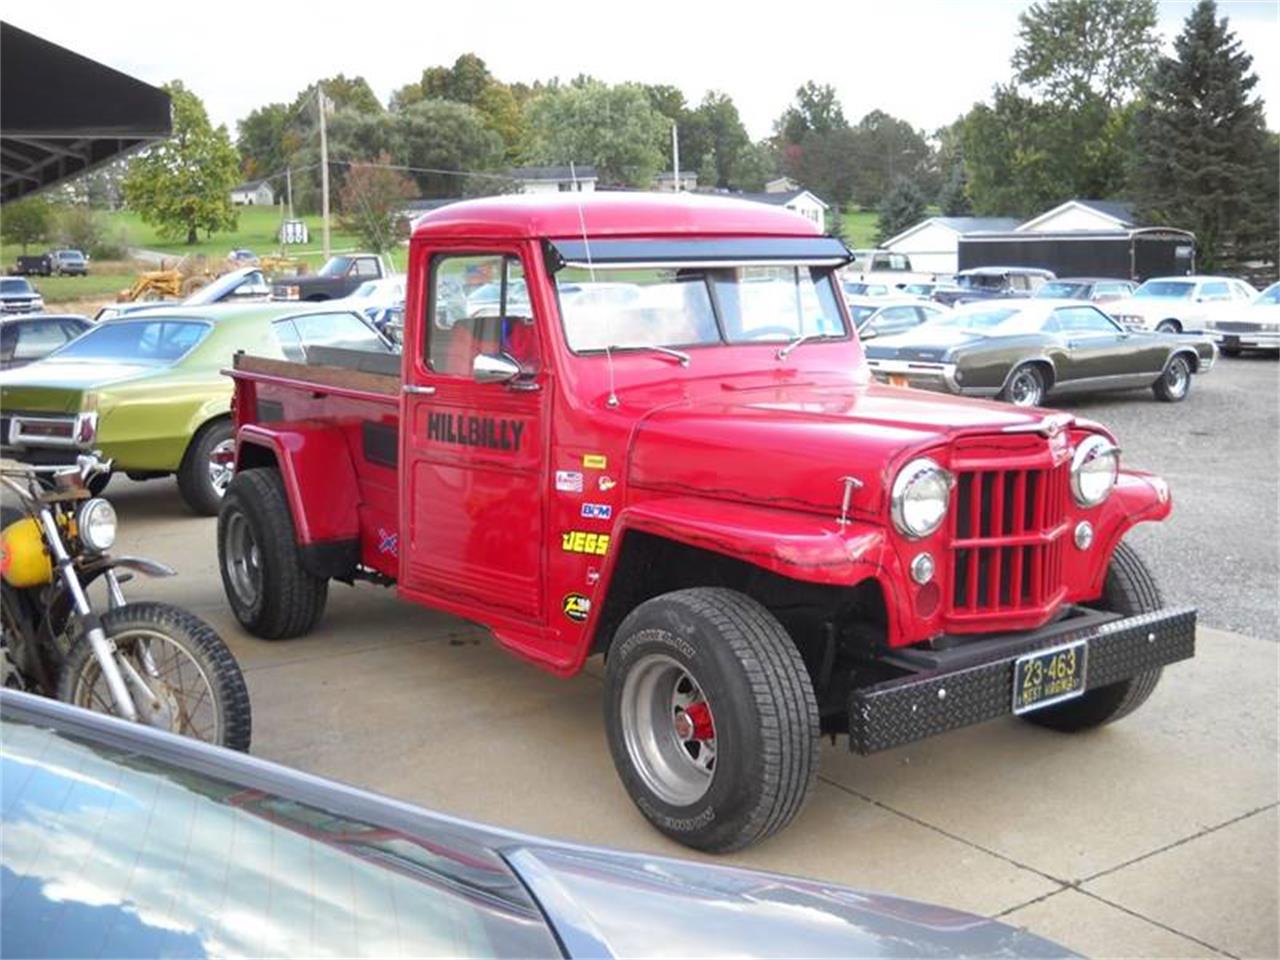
[269,591]
[1129,589]
[1168,326]
[1175,382]
[1229,351]
[711,718]
[1026,387]
[200,482]
[195,665]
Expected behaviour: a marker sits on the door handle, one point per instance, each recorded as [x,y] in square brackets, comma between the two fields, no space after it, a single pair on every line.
[415,388]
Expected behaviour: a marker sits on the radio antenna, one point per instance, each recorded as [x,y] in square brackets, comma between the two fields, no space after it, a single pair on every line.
[591,270]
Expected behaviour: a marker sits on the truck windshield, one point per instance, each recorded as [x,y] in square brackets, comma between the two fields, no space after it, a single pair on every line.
[1165,289]
[696,306]
[1063,290]
[16,285]
[982,281]
[152,341]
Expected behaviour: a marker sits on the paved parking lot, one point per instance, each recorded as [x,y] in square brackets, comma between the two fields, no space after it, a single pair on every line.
[1154,837]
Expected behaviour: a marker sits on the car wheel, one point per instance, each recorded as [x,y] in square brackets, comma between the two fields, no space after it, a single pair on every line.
[1026,387]
[1130,589]
[1168,326]
[271,593]
[1175,382]
[711,718]
[206,469]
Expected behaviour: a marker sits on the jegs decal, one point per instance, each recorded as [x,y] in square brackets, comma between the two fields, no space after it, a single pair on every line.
[595,461]
[582,541]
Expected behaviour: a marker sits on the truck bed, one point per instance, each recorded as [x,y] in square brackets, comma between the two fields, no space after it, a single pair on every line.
[345,370]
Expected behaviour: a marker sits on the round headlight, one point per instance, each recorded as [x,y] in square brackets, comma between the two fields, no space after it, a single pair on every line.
[97,523]
[1094,469]
[921,495]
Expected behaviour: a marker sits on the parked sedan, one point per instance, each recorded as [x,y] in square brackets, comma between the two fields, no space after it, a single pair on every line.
[209,852]
[147,389]
[29,337]
[1092,289]
[879,317]
[1177,304]
[993,283]
[1254,327]
[1024,351]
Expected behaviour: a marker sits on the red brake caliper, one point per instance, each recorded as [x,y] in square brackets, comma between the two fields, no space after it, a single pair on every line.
[700,714]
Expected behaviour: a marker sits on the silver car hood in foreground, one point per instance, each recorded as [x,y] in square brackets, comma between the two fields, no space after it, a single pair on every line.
[609,904]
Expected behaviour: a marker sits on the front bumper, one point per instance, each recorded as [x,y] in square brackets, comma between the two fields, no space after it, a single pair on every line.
[973,682]
[925,374]
[1246,339]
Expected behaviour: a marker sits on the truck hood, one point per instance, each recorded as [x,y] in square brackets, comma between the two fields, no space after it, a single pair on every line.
[54,386]
[790,446]
[607,904]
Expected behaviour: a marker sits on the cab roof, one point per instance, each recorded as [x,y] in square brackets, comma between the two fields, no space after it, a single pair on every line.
[608,214]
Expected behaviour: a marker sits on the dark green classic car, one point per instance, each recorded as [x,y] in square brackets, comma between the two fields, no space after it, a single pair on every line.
[1024,350]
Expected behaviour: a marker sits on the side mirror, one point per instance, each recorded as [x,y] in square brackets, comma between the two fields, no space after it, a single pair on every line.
[494,368]
[868,333]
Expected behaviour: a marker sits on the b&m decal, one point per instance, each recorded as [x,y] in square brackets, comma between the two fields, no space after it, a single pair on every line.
[596,511]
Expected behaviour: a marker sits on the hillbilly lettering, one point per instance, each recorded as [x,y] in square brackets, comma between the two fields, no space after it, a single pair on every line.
[488,432]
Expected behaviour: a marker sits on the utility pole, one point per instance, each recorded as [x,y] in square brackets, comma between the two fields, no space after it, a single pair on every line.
[288,188]
[324,170]
[675,154]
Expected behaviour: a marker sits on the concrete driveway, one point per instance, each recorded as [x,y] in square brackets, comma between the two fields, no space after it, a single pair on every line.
[1155,837]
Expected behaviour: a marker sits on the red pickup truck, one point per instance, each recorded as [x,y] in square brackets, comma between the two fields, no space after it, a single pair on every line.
[643,427]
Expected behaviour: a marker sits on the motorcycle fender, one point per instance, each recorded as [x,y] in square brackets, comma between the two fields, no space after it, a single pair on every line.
[140,564]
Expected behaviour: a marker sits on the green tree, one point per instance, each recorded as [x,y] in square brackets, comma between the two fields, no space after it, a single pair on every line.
[884,150]
[1205,161]
[755,165]
[469,81]
[816,110]
[372,201]
[718,122]
[26,221]
[343,93]
[903,206]
[440,135]
[1073,50]
[613,128]
[183,185]
[263,141]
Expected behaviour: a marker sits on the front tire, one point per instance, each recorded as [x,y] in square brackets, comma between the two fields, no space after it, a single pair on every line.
[206,469]
[711,718]
[1168,326]
[198,686]
[1175,383]
[1130,589]
[270,592]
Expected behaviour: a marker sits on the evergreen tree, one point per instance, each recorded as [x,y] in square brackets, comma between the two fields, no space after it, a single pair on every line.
[903,206]
[1204,159]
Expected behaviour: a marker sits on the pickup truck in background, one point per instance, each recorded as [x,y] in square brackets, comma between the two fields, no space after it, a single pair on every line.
[336,279]
[643,427]
[885,266]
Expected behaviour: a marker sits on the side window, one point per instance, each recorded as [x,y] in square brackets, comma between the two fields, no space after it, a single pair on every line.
[895,319]
[478,304]
[37,339]
[366,268]
[1242,291]
[1215,290]
[290,343]
[1083,320]
[1018,281]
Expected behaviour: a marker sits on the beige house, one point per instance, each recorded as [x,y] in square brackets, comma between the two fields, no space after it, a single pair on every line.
[257,193]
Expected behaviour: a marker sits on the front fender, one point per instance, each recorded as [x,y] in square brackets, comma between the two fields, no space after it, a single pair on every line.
[319,477]
[1139,497]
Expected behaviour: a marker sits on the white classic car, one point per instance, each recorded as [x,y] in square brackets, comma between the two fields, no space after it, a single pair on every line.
[1252,327]
[1180,304]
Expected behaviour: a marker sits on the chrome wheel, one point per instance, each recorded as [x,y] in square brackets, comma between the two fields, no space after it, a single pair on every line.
[242,559]
[222,466]
[1026,389]
[668,729]
[1177,378]
[170,689]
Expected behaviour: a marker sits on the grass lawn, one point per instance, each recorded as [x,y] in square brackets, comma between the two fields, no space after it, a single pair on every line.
[105,286]
[255,231]
[860,228]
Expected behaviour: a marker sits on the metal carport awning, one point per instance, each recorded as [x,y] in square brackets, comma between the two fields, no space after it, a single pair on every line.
[62,114]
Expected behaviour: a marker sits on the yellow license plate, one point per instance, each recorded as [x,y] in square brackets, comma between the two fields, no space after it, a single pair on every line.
[1049,676]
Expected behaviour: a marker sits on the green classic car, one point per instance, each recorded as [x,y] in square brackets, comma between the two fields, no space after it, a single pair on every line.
[146,389]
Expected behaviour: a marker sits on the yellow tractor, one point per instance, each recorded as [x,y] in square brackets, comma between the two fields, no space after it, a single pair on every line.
[183,279]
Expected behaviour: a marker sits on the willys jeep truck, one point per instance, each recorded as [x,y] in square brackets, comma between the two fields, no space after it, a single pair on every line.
[643,428]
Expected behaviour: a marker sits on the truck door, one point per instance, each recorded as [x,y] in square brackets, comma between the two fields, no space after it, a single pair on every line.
[473,432]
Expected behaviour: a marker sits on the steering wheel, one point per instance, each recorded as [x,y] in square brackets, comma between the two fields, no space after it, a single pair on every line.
[761,332]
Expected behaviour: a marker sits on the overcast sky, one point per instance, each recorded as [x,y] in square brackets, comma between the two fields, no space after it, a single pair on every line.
[926,61]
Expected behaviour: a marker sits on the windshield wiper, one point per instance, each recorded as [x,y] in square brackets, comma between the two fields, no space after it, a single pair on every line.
[806,338]
[678,355]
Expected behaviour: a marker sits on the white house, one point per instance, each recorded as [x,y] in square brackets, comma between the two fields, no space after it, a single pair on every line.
[555,179]
[934,244]
[1082,215]
[665,182]
[257,193]
[799,201]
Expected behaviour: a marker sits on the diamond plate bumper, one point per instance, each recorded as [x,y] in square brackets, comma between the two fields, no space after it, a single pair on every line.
[912,708]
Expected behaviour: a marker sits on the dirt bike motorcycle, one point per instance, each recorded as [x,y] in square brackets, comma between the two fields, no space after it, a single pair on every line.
[151,663]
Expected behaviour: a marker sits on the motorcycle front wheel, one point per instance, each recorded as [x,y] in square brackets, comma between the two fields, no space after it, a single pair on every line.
[197,688]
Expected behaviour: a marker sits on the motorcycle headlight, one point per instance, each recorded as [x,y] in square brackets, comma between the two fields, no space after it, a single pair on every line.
[921,495]
[97,524]
[1094,469]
